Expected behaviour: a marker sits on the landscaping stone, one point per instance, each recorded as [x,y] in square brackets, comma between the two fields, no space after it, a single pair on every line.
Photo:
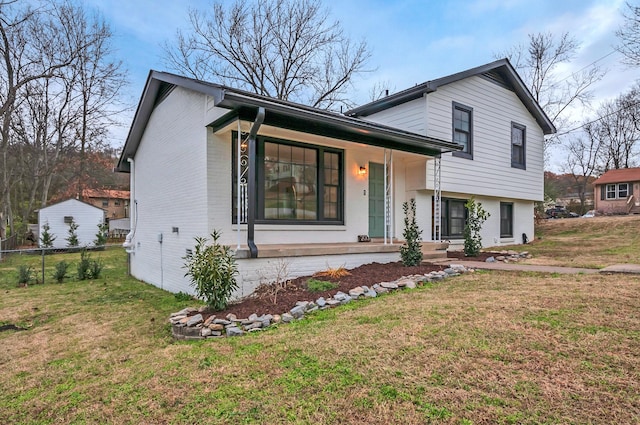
[234,331]
[195,327]
[195,320]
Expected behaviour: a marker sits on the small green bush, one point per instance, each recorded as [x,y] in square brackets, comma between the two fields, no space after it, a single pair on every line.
[316,285]
[411,250]
[25,274]
[88,268]
[212,270]
[61,271]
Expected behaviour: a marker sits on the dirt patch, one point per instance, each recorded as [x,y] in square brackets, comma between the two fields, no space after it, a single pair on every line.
[263,300]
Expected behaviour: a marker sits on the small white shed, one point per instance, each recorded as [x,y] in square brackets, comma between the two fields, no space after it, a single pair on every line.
[60,215]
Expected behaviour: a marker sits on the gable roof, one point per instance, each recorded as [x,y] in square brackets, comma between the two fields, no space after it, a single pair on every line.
[500,72]
[623,175]
[283,114]
[73,201]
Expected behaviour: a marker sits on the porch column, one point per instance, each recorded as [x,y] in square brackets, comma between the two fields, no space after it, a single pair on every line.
[437,200]
[251,183]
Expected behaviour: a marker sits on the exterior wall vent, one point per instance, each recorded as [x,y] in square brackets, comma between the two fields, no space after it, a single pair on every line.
[68,219]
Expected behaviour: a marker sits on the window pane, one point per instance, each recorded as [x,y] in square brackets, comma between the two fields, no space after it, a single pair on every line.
[622,190]
[270,151]
[297,155]
[330,211]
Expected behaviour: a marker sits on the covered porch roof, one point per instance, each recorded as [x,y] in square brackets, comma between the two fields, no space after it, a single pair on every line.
[278,113]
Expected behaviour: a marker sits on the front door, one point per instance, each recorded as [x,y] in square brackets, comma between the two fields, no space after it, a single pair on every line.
[376,200]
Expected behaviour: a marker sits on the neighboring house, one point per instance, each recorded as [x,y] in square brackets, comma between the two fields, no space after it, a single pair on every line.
[119,227]
[490,112]
[303,184]
[115,203]
[618,192]
[60,215]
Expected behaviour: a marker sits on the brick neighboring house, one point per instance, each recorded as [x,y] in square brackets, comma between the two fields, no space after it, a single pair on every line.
[115,203]
[618,192]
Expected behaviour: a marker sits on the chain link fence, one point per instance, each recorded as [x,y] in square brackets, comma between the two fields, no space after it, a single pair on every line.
[38,265]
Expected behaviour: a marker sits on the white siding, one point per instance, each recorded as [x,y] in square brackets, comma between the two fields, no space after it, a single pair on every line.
[86,216]
[489,173]
[489,176]
[409,116]
[170,189]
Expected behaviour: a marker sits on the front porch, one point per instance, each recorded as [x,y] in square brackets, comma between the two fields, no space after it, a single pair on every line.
[430,250]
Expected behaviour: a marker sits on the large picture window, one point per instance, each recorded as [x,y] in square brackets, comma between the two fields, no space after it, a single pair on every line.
[463,129]
[295,183]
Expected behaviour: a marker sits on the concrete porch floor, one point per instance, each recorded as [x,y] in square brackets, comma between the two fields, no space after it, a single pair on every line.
[430,250]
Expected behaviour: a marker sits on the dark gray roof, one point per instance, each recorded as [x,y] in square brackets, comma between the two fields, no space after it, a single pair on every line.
[500,72]
[279,113]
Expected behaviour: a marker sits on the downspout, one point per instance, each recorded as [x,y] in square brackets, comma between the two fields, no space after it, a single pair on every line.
[251,182]
[133,211]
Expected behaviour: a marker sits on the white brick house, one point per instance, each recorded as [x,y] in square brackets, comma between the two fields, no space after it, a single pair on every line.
[303,184]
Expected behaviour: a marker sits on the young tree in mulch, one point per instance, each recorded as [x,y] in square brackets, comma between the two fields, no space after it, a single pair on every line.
[411,250]
[476,218]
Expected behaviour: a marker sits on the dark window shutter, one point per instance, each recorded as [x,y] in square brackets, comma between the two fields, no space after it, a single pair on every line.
[603,189]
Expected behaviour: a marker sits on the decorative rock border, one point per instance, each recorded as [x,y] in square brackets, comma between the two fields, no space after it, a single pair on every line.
[508,257]
[189,323]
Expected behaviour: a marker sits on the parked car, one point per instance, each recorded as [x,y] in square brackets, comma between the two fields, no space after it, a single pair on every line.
[558,212]
[589,214]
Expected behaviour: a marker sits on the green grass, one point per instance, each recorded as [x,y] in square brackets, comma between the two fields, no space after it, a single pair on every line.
[492,347]
[316,285]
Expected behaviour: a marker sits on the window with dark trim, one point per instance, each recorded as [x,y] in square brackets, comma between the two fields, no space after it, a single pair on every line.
[454,218]
[506,220]
[463,129]
[518,145]
[296,183]
[617,190]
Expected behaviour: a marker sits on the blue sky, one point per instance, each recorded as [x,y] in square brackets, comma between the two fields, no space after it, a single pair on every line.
[412,41]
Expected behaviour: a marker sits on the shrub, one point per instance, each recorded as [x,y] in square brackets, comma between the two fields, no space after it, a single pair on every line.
[316,285]
[72,238]
[212,270]
[25,274]
[88,268]
[61,271]
[46,238]
[411,250]
[476,218]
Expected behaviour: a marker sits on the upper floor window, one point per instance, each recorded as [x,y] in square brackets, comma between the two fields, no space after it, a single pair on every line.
[105,203]
[518,145]
[616,191]
[463,129]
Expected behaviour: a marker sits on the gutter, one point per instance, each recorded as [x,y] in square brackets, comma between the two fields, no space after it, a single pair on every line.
[251,181]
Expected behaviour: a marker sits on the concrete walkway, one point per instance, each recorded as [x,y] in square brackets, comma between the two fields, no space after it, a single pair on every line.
[498,265]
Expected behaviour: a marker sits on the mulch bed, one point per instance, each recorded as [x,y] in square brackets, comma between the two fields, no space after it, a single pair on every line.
[264,301]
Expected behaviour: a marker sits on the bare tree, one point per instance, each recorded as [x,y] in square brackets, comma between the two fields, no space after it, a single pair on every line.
[582,162]
[617,130]
[40,57]
[629,35]
[286,49]
[538,63]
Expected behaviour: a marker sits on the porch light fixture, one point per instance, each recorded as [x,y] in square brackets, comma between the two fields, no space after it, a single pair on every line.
[362,171]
